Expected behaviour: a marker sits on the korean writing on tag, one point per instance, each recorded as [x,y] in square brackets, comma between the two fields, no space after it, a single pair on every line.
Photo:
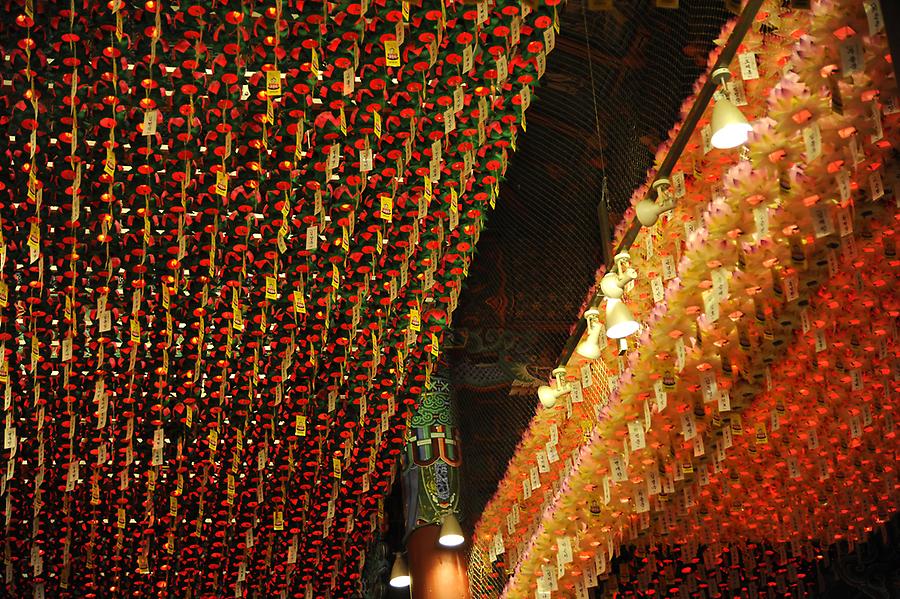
[874,16]
[748,66]
[549,40]
[575,392]
[680,354]
[706,136]
[821,343]
[552,454]
[150,123]
[586,376]
[876,185]
[791,287]
[812,140]
[564,549]
[711,305]
[688,427]
[845,222]
[636,435]
[534,478]
[617,469]
[657,289]
[708,385]
[856,380]
[660,395]
[822,221]
[851,51]
[736,92]
[761,220]
[543,462]
[668,267]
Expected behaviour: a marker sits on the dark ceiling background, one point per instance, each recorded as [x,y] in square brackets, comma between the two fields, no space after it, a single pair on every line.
[542,247]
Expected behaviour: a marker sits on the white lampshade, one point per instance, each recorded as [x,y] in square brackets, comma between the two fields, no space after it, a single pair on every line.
[451,532]
[590,347]
[619,321]
[730,128]
[399,573]
[648,211]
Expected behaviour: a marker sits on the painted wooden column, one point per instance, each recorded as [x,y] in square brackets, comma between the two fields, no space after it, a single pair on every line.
[431,490]
[436,572]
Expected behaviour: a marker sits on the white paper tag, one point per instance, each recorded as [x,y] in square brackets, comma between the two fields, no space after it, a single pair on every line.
[876,185]
[150,123]
[636,435]
[688,426]
[660,395]
[736,92]
[657,289]
[747,62]
[822,221]
[617,469]
[812,140]
[852,55]
[761,220]
[680,354]
[587,378]
[711,305]
[678,186]
[724,400]
[874,16]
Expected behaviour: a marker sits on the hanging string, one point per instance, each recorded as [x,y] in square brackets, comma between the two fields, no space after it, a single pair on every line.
[587,40]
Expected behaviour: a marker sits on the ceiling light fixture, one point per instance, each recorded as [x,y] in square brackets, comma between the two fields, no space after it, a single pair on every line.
[619,321]
[451,532]
[614,282]
[399,573]
[730,128]
[590,347]
[548,395]
[648,211]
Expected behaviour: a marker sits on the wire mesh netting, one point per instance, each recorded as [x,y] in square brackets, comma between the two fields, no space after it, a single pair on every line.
[540,253]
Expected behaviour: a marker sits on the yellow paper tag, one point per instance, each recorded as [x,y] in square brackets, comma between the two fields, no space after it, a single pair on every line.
[278,520]
[273,83]
[387,208]
[299,302]
[314,63]
[392,53]
[300,426]
[110,167]
[222,183]
[376,119]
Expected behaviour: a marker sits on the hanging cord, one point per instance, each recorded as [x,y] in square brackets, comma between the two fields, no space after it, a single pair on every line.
[587,41]
[603,207]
